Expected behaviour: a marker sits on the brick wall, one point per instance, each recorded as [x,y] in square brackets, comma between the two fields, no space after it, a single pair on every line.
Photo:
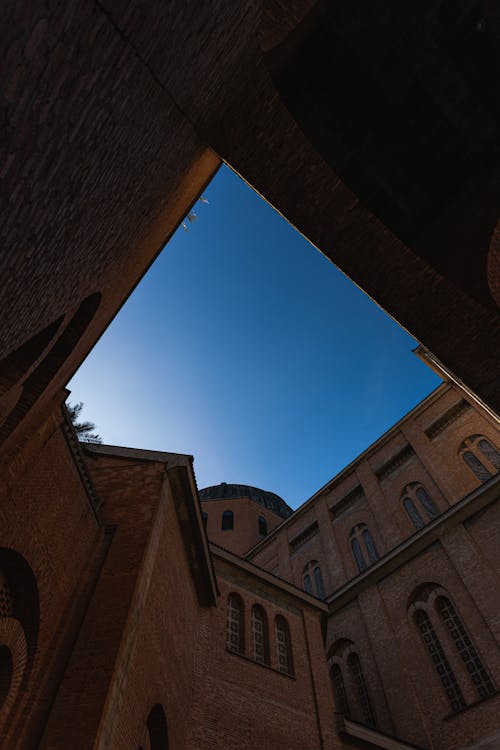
[244,704]
[370,491]
[406,691]
[47,518]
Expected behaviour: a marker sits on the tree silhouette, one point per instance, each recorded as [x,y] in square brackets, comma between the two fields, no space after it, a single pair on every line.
[84,430]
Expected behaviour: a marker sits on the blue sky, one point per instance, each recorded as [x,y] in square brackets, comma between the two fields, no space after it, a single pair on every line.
[245,347]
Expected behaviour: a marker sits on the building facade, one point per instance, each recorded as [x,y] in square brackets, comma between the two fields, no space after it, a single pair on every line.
[366,618]
[403,545]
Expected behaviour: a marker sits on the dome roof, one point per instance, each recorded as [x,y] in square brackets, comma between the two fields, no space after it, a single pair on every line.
[268,499]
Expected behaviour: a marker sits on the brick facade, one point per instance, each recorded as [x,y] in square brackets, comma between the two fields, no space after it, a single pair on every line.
[120,608]
[455,550]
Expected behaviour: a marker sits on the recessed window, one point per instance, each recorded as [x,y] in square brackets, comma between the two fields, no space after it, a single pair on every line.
[310,574]
[260,635]
[419,505]
[262,526]
[363,547]
[466,649]
[363,694]
[339,690]
[481,456]
[235,624]
[227,520]
[284,646]
[439,660]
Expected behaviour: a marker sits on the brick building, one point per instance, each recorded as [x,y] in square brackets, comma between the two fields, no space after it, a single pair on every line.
[366,618]
[375,131]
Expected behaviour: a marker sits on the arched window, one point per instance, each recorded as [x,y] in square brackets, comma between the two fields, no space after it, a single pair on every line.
[413,513]
[465,647]
[489,450]
[227,520]
[260,635]
[481,456]
[318,581]
[312,572]
[370,546]
[419,505]
[363,694]
[441,664]
[205,518]
[307,583]
[339,690]
[283,645]
[427,503]
[262,526]
[352,699]
[363,546]
[358,555]
[235,624]
[157,728]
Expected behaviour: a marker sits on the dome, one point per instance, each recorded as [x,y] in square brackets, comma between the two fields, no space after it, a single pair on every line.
[268,499]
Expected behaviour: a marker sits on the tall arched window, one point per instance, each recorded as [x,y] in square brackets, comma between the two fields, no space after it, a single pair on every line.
[465,647]
[358,554]
[413,513]
[363,546]
[312,572]
[441,664]
[157,728]
[260,635]
[370,546]
[339,690]
[227,520]
[262,526]
[363,694]
[352,698]
[318,581]
[205,518]
[235,624]
[419,505]
[481,456]
[427,503]
[307,583]
[283,645]
[489,451]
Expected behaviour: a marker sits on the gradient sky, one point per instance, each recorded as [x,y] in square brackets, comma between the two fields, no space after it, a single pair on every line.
[246,348]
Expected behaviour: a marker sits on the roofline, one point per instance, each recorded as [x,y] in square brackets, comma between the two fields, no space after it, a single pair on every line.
[141,454]
[77,451]
[183,483]
[267,577]
[472,503]
[180,473]
[432,396]
[440,369]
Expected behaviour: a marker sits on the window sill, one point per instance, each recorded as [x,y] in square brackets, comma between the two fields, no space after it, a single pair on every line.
[261,664]
[471,705]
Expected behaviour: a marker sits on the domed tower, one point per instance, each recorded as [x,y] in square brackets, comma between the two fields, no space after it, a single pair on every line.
[237,516]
